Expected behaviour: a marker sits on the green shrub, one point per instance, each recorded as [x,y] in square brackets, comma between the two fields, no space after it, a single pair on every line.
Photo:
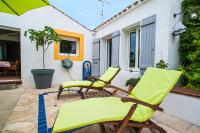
[132,81]
[162,64]
[190,45]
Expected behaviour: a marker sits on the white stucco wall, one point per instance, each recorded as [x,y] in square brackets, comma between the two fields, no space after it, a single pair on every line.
[174,41]
[30,58]
[184,107]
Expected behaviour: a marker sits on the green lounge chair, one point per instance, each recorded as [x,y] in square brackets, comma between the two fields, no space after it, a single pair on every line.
[133,111]
[92,82]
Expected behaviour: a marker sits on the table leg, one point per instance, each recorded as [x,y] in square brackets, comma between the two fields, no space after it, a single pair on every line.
[4,72]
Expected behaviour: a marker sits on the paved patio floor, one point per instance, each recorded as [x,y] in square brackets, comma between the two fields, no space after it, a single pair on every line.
[21,116]
[8,101]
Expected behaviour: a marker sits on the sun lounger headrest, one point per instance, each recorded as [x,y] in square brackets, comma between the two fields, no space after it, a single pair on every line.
[155,84]
[109,74]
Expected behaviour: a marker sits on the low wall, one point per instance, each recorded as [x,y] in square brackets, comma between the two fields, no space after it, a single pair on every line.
[183,106]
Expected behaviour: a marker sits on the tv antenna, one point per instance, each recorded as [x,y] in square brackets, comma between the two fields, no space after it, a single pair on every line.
[103,3]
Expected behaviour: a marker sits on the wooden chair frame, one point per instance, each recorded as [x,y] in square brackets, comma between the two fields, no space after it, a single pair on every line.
[14,67]
[93,79]
[126,122]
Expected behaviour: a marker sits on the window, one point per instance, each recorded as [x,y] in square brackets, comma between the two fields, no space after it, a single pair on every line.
[68,47]
[71,46]
[134,49]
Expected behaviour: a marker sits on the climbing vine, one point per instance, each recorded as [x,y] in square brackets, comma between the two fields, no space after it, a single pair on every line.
[190,45]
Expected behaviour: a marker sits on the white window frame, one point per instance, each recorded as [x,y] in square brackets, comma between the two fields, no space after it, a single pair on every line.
[77,46]
[138,40]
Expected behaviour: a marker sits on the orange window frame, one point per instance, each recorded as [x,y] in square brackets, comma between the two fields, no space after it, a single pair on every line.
[80,37]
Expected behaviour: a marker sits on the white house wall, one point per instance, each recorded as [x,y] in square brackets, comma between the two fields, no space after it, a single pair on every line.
[160,8]
[166,48]
[174,42]
[30,58]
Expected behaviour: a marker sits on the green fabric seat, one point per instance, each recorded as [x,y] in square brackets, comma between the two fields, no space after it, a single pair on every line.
[95,110]
[107,76]
[153,87]
[83,83]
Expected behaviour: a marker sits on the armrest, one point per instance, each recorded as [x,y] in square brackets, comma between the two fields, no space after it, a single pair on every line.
[128,99]
[97,79]
[116,88]
[91,77]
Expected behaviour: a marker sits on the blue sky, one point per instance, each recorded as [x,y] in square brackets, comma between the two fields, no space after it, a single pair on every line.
[87,12]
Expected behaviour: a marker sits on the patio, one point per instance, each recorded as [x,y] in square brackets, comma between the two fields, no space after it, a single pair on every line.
[20,113]
[141,35]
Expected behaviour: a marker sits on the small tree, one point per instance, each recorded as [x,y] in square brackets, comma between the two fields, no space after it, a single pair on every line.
[43,38]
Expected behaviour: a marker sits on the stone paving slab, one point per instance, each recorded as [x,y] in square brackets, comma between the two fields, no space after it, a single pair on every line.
[173,122]
[8,101]
[24,116]
[193,129]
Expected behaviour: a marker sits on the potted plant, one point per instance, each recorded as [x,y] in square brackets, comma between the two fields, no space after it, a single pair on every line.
[161,64]
[131,83]
[44,38]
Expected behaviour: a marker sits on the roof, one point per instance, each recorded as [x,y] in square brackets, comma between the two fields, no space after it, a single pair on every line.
[119,14]
[122,12]
[70,17]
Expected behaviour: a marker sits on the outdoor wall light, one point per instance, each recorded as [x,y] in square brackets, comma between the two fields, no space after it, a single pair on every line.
[193,15]
[178,29]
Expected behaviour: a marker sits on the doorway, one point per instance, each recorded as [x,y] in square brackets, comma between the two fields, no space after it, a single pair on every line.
[109,52]
[10,55]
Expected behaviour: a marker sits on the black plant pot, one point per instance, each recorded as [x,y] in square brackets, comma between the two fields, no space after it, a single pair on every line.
[42,77]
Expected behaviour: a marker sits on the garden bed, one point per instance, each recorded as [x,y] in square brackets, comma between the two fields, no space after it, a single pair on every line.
[186,91]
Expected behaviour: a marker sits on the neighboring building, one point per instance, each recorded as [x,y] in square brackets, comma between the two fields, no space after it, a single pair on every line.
[79,38]
[138,37]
